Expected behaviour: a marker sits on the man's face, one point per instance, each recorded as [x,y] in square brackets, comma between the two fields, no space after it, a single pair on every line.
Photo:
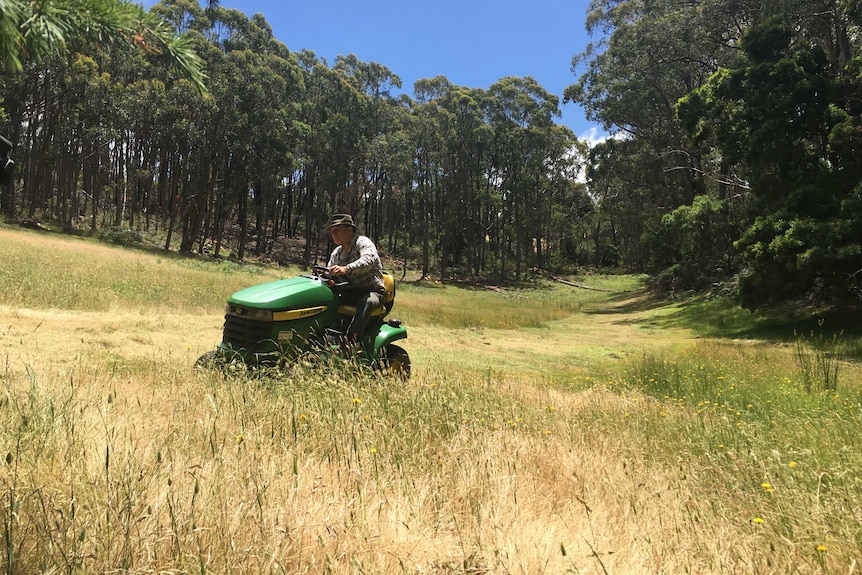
[340,233]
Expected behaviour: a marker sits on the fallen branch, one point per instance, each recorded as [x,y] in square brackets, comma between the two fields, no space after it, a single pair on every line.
[577,285]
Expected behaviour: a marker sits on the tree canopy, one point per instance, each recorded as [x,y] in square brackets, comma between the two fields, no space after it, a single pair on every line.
[733,155]
[748,110]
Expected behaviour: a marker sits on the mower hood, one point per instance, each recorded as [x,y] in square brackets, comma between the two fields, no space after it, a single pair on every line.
[284,294]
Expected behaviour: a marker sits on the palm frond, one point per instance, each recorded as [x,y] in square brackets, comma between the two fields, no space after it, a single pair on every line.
[31,29]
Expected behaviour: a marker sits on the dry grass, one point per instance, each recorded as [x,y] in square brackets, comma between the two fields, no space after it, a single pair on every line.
[148,465]
[507,452]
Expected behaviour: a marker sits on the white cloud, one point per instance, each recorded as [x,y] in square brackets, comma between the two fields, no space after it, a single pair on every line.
[594,136]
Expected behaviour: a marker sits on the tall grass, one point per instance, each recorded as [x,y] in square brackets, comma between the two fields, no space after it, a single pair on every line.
[818,358]
[775,455]
[39,270]
[592,437]
[300,472]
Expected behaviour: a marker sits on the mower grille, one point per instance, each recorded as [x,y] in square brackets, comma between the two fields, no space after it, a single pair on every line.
[242,333]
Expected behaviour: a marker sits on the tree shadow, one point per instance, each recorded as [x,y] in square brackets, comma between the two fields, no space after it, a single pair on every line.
[721,318]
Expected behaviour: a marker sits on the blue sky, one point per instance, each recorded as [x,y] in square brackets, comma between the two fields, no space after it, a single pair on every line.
[473,43]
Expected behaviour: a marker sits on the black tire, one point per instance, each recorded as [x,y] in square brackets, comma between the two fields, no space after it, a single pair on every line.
[395,362]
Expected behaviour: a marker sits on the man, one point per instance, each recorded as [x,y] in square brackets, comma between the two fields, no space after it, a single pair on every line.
[356,257]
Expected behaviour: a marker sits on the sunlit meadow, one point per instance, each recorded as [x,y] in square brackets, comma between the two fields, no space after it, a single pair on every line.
[546,429]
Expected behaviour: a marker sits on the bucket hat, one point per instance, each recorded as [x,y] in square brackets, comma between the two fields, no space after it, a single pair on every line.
[341,220]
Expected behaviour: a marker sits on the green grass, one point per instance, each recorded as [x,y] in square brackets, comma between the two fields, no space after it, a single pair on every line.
[42,270]
[718,318]
[740,422]
[531,306]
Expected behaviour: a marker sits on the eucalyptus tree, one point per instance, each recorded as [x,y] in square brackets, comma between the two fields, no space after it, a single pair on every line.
[376,115]
[138,97]
[568,206]
[60,120]
[326,140]
[182,144]
[251,135]
[394,151]
[618,174]
[344,107]
[489,165]
[453,145]
[389,162]
[15,93]
[428,138]
[143,103]
[655,53]
[526,148]
[458,203]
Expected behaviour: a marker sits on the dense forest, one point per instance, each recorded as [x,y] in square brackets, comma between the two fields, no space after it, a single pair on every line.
[735,156]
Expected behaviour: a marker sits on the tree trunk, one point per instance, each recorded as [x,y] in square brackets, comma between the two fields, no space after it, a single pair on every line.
[243,219]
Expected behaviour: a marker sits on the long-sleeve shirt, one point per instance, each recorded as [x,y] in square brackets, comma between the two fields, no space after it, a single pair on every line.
[364,269]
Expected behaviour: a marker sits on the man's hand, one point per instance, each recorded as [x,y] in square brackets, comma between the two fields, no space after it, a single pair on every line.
[338,271]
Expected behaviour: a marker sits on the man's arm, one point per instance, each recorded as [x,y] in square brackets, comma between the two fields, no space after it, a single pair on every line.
[368,256]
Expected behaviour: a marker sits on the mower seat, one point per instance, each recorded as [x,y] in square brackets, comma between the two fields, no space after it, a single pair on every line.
[388,299]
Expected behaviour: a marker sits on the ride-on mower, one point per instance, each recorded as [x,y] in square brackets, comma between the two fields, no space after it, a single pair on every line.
[284,319]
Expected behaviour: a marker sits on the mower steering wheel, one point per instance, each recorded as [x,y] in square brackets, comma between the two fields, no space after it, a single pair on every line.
[322,272]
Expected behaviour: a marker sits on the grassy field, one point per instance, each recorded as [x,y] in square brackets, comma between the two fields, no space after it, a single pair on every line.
[545,429]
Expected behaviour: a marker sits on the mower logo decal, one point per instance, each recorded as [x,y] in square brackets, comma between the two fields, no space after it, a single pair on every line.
[298,313]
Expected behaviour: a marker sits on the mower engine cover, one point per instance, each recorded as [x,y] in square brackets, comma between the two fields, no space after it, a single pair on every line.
[277,317]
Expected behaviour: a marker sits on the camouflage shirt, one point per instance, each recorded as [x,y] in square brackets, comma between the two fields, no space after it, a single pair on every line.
[364,269]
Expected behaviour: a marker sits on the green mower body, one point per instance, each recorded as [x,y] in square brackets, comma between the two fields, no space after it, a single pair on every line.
[281,320]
